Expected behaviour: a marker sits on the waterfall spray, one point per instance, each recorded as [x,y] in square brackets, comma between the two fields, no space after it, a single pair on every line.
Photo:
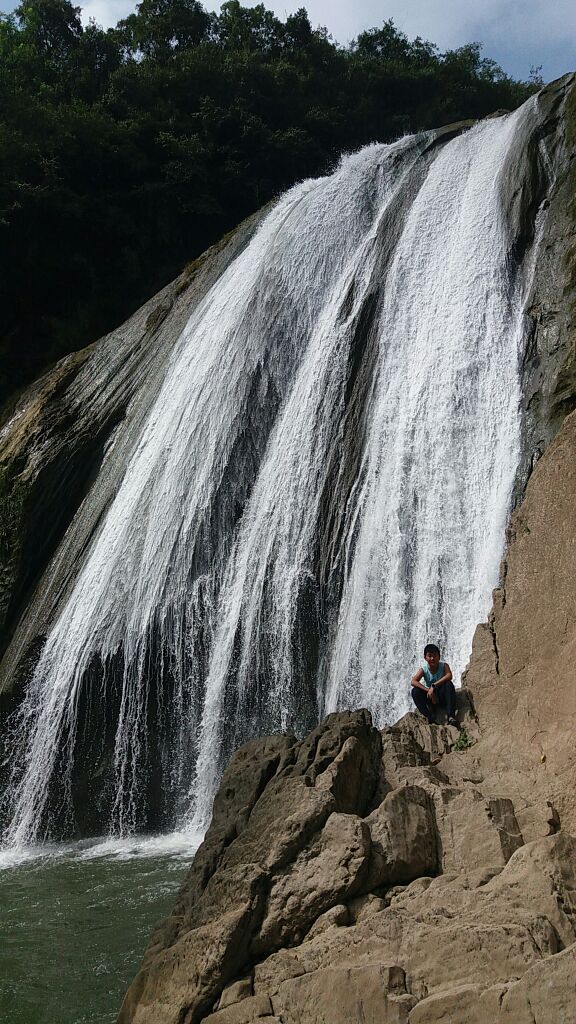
[321,486]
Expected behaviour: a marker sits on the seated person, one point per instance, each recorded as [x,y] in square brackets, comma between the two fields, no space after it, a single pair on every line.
[432,684]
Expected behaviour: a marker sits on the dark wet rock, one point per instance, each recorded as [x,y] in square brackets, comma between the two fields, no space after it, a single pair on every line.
[549,361]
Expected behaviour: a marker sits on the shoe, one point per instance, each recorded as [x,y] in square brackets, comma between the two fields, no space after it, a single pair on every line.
[453,722]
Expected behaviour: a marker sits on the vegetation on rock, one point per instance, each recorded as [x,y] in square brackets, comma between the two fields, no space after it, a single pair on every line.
[463,742]
[126,152]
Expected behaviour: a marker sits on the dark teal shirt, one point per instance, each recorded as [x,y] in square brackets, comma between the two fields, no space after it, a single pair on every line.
[428,677]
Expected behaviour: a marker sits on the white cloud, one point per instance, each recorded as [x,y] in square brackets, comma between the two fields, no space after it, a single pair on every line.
[105,12]
[449,22]
[517,33]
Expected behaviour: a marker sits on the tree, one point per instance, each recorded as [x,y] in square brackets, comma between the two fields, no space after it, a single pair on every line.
[387,43]
[249,28]
[162,28]
[52,27]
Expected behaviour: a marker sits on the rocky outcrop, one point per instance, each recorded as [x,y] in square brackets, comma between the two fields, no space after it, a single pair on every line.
[365,876]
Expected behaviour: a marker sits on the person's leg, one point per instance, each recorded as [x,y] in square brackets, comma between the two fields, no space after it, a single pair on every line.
[422,703]
[447,698]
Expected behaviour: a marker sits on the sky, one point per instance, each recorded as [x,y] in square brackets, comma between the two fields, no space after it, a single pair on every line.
[518,34]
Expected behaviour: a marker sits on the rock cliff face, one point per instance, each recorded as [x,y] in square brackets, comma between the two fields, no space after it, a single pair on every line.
[549,359]
[366,876]
[522,665]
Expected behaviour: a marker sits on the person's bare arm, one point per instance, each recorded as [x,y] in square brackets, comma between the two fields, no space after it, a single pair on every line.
[446,677]
[417,680]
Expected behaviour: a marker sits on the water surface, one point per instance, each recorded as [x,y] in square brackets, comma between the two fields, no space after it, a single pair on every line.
[74,923]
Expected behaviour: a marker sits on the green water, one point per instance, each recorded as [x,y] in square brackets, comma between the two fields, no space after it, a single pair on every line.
[74,925]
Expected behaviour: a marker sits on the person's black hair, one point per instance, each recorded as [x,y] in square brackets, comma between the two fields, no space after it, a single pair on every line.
[431,649]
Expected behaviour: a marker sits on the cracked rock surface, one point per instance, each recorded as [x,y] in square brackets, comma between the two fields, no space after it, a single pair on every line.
[360,875]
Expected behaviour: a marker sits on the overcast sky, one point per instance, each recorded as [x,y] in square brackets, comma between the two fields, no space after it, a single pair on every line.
[516,33]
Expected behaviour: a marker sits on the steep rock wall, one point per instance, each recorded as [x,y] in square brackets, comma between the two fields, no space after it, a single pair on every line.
[522,665]
[549,360]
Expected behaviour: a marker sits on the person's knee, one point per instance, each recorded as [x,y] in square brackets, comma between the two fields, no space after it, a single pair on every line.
[421,701]
[447,690]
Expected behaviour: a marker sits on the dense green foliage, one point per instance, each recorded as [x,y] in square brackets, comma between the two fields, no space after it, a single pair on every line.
[124,153]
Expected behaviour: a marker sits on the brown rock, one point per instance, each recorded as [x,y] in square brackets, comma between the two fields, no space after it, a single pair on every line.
[363,907]
[457,1004]
[253,1008]
[237,991]
[289,895]
[270,973]
[455,932]
[327,872]
[546,994]
[277,839]
[336,917]
[522,666]
[403,838]
[474,832]
[374,994]
[470,830]
[245,777]
[185,979]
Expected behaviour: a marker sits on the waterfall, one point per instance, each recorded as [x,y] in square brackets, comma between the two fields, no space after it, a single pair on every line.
[444,438]
[320,488]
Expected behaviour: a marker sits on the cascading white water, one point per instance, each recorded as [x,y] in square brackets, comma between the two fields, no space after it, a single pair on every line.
[201,595]
[445,434]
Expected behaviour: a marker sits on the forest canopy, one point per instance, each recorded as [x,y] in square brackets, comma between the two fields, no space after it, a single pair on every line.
[126,151]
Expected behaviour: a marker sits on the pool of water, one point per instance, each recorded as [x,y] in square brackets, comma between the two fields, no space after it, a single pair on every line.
[75,920]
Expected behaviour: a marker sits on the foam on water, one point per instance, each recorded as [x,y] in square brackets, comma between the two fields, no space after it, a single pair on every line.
[174,845]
